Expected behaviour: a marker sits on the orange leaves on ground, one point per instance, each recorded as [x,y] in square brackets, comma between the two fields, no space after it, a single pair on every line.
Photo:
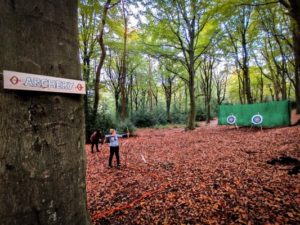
[212,175]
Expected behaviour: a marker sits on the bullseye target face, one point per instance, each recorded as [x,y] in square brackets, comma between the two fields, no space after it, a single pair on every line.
[257,119]
[231,119]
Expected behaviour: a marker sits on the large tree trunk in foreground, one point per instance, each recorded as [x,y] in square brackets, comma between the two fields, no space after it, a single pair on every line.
[297,70]
[42,157]
[296,37]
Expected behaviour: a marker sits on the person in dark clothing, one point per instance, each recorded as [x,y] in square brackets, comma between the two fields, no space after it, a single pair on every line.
[96,139]
[114,146]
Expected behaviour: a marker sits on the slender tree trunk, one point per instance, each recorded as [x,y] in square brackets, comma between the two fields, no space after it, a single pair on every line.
[130,93]
[185,99]
[168,94]
[42,155]
[117,104]
[261,88]
[150,100]
[246,75]
[124,66]
[241,88]
[192,111]
[102,58]
[207,110]
[86,77]
[283,87]
[271,92]
[136,103]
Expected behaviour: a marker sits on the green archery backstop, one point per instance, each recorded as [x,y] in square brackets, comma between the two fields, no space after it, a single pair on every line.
[273,114]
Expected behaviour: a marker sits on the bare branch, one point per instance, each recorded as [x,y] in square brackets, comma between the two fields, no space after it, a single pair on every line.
[177,74]
[260,4]
[114,4]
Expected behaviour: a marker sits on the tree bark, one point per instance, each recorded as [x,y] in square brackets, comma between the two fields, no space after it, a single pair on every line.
[297,65]
[245,68]
[293,6]
[167,86]
[117,104]
[192,111]
[42,156]
[102,58]
[124,113]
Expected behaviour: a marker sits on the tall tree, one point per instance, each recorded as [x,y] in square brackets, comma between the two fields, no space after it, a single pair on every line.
[238,30]
[88,26]
[220,83]
[293,7]
[279,48]
[100,39]
[42,155]
[113,74]
[206,79]
[182,37]
[87,34]
[124,64]
[167,81]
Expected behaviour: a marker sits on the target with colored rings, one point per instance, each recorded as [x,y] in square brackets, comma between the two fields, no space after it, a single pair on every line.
[257,119]
[231,119]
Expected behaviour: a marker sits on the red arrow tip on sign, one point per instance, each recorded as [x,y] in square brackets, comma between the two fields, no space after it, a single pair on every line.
[79,87]
[14,80]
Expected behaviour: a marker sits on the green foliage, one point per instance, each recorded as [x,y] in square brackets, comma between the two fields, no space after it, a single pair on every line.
[144,119]
[256,80]
[158,48]
[201,115]
[161,116]
[125,126]
[103,121]
[178,116]
[147,118]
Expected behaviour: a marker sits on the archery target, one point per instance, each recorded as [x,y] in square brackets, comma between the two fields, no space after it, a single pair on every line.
[257,119]
[231,119]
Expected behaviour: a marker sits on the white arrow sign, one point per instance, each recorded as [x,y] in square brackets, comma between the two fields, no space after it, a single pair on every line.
[33,82]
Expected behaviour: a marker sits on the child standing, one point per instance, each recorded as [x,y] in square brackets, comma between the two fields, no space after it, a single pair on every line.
[114,146]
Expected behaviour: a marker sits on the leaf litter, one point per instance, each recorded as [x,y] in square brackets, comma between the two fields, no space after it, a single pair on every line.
[211,175]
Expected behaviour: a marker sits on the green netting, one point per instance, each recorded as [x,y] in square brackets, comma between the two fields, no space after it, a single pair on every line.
[274,113]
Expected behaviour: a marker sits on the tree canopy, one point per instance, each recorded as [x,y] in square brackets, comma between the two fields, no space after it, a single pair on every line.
[179,59]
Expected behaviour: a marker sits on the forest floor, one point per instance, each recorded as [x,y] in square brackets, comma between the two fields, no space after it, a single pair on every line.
[211,175]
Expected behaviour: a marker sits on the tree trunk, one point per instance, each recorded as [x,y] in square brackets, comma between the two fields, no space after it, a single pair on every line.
[246,75]
[117,104]
[261,88]
[86,77]
[207,110]
[192,112]
[102,58]
[168,95]
[294,11]
[296,39]
[124,66]
[185,99]
[130,94]
[42,156]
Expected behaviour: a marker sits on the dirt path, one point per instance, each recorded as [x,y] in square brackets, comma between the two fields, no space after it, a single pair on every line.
[212,175]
